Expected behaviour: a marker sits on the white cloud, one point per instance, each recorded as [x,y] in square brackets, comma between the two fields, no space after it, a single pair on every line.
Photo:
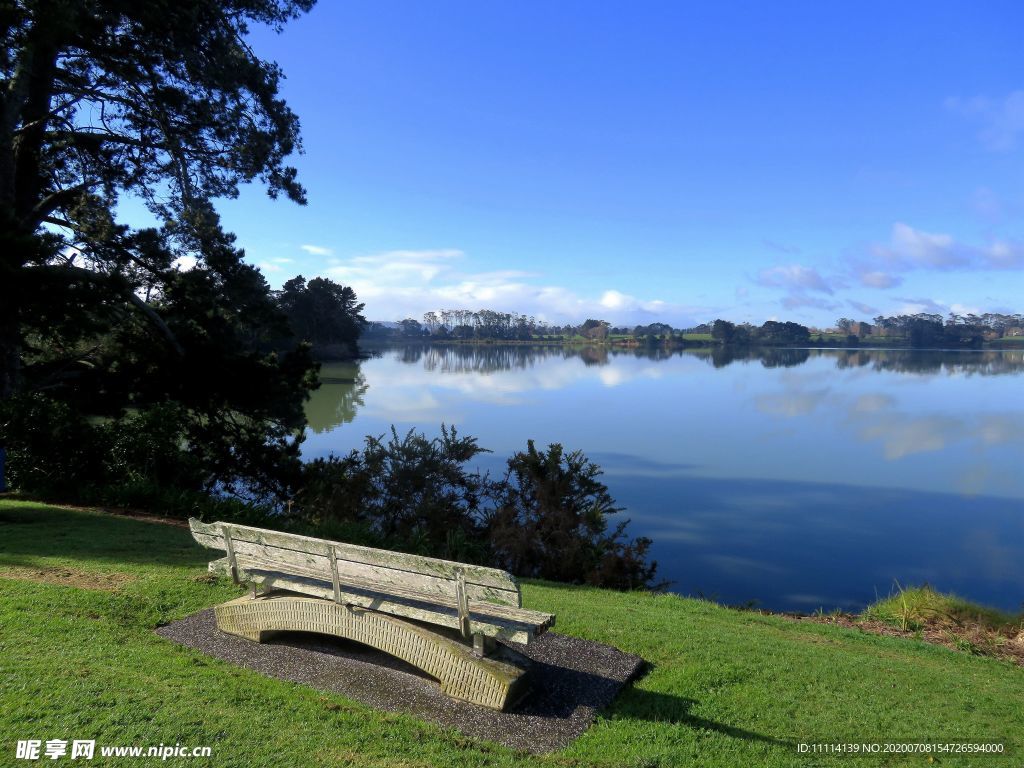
[794,276]
[798,280]
[623,302]
[269,266]
[798,300]
[317,250]
[185,263]
[879,279]
[910,249]
[613,299]
[1005,255]
[913,306]
[904,435]
[790,404]
[397,266]
[917,306]
[1002,120]
[965,309]
[407,283]
[860,306]
[873,403]
[884,265]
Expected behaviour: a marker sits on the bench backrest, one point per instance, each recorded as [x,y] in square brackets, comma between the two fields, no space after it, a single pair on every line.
[407,576]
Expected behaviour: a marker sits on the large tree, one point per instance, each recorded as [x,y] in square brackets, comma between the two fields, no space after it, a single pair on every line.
[322,312]
[163,101]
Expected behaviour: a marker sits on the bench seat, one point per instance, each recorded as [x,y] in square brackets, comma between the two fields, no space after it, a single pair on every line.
[409,586]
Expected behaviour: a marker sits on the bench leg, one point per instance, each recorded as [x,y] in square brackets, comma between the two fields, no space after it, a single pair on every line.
[490,682]
[484,645]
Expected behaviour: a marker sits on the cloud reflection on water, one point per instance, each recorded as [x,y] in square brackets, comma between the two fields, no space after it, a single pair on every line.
[783,477]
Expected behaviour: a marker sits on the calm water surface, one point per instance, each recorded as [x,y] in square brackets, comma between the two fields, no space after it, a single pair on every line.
[798,479]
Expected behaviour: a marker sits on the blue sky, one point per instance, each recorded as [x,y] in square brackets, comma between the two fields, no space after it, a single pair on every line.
[633,161]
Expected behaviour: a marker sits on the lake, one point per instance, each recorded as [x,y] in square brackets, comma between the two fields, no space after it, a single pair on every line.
[787,479]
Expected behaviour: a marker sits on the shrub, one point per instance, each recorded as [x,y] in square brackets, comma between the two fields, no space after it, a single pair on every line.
[410,493]
[551,523]
[547,518]
[50,448]
[139,460]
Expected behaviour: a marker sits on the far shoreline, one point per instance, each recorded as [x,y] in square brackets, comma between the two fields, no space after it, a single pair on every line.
[687,344]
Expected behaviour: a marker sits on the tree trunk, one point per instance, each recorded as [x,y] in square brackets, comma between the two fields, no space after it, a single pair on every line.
[10,356]
[12,259]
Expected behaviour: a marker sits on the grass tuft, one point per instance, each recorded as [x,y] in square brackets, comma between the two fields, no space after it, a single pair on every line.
[914,608]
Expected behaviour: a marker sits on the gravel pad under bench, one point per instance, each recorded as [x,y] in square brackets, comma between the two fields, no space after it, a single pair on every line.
[571,680]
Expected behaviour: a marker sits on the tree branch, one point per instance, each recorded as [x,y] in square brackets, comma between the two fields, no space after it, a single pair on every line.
[52,202]
[124,290]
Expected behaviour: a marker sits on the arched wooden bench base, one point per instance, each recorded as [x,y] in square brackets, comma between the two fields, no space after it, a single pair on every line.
[463,675]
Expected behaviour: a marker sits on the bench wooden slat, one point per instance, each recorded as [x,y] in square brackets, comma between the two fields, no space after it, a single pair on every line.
[358,575]
[517,625]
[398,561]
[483,607]
[421,588]
[316,565]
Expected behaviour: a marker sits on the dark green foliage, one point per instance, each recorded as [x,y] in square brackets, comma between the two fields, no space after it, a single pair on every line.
[165,102]
[728,333]
[236,403]
[50,447]
[773,332]
[927,330]
[411,329]
[775,357]
[652,334]
[551,523]
[141,460]
[547,518]
[594,329]
[411,493]
[323,313]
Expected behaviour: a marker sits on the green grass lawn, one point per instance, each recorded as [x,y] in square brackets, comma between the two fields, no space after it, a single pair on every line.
[80,593]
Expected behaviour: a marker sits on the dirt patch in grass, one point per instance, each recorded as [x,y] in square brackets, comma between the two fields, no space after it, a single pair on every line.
[134,514]
[67,577]
[1006,643]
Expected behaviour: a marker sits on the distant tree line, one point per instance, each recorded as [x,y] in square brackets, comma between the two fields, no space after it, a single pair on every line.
[993,324]
[956,330]
[491,325]
[918,331]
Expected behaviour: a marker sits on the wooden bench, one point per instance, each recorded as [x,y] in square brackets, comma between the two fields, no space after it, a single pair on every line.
[440,616]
